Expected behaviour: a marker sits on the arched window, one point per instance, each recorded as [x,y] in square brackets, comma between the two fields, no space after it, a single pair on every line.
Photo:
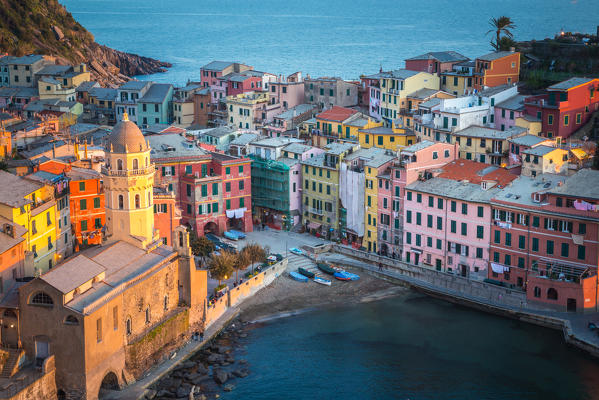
[149,199]
[135,164]
[552,294]
[128,325]
[537,291]
[121,202]
[71,320]
[119,164]
[41,299]
[146,161]
[137,205]
[166,302]
[148,315]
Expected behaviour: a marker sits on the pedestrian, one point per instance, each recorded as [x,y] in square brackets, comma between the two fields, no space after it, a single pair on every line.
[380,266]
[202,336]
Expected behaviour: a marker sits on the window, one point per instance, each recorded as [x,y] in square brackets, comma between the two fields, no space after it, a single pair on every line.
[582,229]
[508,239]
[480,231]
[550,247]
[581,252]
[227,186]
[464,208]
[453,227]
[431,201]
[409,196]
[97,223]
[96,202]
[115,317]
[214,189]
[535,244]
[128,326]
[439,223]
[41,299]
[453,206]
[99,330]
[497,237]
[429,221]
[464,229]
[408,238]
[137,201]
[566,120]
[83,204]
[409,216]
[121,202]
[418,218]
[550,119]
[419,197]
[479,252]
[565,250]
[84,225]
[241,202]
[71,320]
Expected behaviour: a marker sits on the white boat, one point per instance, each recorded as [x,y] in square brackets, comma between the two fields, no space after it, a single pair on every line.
[322,281]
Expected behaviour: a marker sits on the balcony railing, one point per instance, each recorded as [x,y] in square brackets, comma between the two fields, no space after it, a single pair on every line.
[128,172]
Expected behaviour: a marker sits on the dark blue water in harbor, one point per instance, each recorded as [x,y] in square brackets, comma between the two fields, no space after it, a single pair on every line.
[411,348]
[332,37]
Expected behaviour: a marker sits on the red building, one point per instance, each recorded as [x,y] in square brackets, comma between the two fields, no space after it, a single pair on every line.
[167,215]
[496,69]
[435,62]
[544,239]
[566,107]
[213,190]
[87,204]
[238,83]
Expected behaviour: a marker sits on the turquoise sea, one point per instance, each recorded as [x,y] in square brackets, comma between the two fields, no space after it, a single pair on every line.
[414,348]
[321,38]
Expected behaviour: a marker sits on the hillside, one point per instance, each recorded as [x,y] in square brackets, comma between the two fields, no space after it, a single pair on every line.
[46,27]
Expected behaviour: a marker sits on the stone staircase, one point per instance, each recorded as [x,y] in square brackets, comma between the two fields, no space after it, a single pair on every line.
[9,367]
[304,262]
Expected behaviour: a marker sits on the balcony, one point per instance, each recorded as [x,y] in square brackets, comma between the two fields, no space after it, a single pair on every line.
[128,172]
[314,210]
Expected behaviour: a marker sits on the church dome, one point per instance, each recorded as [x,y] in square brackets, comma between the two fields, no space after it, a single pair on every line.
[126,137]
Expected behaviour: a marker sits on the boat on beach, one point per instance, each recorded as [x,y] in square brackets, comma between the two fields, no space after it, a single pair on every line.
[298,277]
[353,277]
[306,273]
[322,281]
[327,269]
[342,276]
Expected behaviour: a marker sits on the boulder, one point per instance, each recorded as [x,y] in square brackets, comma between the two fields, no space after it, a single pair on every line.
[228,387]
[183,391]
[220,376]
[214,358]
[202,369]
[164,393]
[241,373]
[150,394]
[185,365]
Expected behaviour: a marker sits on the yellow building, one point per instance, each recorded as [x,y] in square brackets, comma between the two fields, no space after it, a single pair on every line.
[397,85]
[418,97]
[31,205]
[320,194]
[340,123]
[249,110]
[129,181]
[373,169]
[544,160]
[394,138]
[486,145]
[532,124]
[50,88]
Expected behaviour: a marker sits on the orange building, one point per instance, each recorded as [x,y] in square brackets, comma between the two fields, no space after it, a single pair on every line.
[166,214]
[496,69]
[5,144]
[12,253]
[88,210]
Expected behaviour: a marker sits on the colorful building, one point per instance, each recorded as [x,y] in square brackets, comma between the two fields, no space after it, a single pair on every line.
[544,239]
[339,123]
[496,69]
[286,123]
[127,96]
[13,244]
[486,145]
[213,190]
[31,205]
[435,62]
[184,105]
[544,159]
[320,194]
[447,218]
[250,110]
[566,107]
[327,92]
[507,111]
[167,215]
[376,216]
[390,138]
[519,144]
[460,79]
[88,206]
[155,107]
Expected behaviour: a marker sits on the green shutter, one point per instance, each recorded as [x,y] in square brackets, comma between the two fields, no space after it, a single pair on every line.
[214,207]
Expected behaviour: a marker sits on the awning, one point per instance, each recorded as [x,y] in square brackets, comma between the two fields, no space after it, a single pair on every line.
[314,225]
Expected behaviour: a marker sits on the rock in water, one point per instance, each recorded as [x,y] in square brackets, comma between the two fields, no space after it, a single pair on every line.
[228,387]
[220,376]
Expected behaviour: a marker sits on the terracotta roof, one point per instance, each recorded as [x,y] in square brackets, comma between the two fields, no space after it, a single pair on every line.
[337,114]
[476,172]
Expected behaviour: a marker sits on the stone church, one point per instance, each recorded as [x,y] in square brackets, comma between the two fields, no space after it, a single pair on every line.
[108,313]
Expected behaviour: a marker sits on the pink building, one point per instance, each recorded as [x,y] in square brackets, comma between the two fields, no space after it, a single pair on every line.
[447,219]
[435,62]
[212,73]
[507,111]
[289,92]
[414,162]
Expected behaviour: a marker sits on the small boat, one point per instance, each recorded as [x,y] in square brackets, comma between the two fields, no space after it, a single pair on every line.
[237,233]
[295,250]
[342,276]
[322,281]
[306,273]
[300,278]
[353,277]
[326,268]
[230,235]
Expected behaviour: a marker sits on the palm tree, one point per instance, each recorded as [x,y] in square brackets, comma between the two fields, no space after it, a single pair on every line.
[221,265]
[501,25]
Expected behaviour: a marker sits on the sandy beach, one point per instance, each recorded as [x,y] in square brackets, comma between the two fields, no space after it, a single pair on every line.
[287,297]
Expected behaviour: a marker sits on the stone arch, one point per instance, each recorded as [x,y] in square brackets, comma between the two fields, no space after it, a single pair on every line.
[121,202]
[551,294]
[109,382]
[211,227]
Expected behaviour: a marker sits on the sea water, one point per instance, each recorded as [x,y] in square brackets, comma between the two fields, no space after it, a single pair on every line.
[410,347]
[321,38]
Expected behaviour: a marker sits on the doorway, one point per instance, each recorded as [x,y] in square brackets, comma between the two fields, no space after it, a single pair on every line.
[571,305]
[10,337]
[464,270]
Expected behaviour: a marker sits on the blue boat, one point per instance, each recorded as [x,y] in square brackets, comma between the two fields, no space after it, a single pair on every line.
[353,277]
[298,277]
[230,235]
[342,275]
[239,234]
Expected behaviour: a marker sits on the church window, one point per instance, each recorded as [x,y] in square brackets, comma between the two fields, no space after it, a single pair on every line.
[135,164]
[121,201]
[119,164]
[137,201]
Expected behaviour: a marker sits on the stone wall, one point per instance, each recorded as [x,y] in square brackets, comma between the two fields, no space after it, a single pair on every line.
[148,349]
[35,385]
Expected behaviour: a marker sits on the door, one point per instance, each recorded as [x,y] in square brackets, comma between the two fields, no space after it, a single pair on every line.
[463,270]
[572,305]
[438,264]
[42,349]
[416,258]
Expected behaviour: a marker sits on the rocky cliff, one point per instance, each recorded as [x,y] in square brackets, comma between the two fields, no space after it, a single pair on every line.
[46,27]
